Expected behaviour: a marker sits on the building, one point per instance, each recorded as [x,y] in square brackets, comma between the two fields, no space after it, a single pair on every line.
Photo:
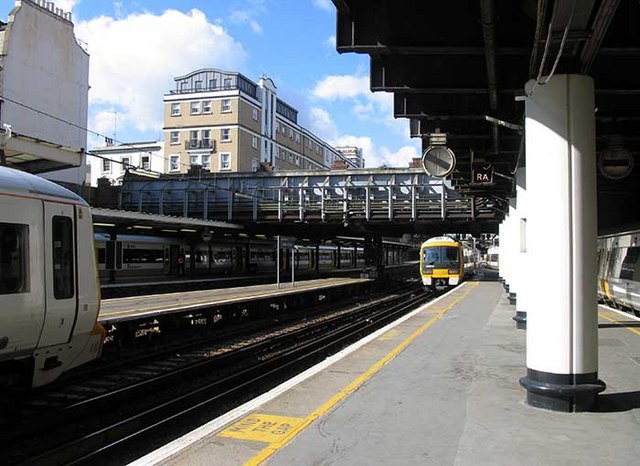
[225,122]
[111,161]
[44,82]
[352,154]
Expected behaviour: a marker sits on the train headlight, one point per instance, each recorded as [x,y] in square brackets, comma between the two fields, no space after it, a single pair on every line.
[453,271]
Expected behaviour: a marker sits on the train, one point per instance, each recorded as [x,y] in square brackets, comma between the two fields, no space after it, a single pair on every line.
[445,262]
[134,256]
[492,257]
[49,292]
[619,271]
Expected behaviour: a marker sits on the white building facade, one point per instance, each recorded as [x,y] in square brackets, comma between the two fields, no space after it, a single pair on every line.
[112,162]
[44,81]
[353,154]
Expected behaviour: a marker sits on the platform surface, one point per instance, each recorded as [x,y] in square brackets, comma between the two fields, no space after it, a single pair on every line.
[134,307]
[439,388]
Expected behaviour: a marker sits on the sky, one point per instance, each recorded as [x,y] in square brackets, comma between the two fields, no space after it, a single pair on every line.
[137,48]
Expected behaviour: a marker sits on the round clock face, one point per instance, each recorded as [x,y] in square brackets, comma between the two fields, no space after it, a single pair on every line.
[438,161]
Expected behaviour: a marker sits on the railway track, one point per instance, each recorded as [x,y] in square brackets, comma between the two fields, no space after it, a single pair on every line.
[104,424]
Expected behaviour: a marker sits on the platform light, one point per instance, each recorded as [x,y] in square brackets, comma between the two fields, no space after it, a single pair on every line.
[167,230]
[187,230]
[143,227]
[104,224]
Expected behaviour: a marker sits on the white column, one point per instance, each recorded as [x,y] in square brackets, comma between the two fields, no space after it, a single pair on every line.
[512,248]
[525,278]
[562,325]
[501,230]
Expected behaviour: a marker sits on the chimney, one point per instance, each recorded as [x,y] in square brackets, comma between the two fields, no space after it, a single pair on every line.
[416,162]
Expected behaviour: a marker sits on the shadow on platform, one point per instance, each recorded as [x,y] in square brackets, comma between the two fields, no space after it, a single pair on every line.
[617,402]
[626,324]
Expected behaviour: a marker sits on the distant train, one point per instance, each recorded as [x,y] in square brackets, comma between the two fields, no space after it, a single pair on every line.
[619,270]
[49,299]
[151,256]
[444,262]
[492,258]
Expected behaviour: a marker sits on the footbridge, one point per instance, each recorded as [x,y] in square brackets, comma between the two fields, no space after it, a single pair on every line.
[386,200]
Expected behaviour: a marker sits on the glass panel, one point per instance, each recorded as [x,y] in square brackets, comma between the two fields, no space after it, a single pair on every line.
[440,257]
[62,236]
[14,258]
[629,264]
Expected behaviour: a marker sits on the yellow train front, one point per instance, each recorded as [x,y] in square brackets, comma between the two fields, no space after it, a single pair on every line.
[443,262]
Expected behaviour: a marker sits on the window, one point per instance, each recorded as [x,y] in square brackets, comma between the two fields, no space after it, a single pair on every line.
[198,85]
[297,160]
[195,108]
[194,160]
[174,163]
[291,157]
[125,163]
[298,138]
[254,114]
[225,161]
[106,165]
[206,106]
[175,137]
[193,140]
[254,165]
[228,83]
[254,142]
[225,135]
[62,245]
[145,160]
[175,109]
[225,105]
[14,258]
[206,138]
[206,162]
[213,83]
[291,133]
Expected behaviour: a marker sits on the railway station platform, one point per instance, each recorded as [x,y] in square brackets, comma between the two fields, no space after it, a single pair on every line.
[137,307]
[439,386]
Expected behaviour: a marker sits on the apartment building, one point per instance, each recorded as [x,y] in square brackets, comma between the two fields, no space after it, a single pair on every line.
[225,122]
[112,161]
[352,154]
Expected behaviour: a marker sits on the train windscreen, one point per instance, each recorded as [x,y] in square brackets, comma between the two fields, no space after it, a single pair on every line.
[440,257]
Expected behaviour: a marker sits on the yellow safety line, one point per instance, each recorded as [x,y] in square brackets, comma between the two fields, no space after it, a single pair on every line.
[274,447]
[631,329]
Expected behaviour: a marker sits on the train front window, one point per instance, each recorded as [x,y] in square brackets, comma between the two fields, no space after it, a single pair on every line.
[440,257]
[14,254]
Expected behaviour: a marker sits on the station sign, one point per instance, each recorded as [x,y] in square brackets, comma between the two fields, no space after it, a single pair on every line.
[615,163]
[482,175]
[287,242]
[438,161]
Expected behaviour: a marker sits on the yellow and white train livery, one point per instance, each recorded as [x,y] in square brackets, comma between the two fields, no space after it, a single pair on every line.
[444,262]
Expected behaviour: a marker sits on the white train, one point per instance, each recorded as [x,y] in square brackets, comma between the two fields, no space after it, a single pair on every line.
[492,257]
[152,256]
[49,299]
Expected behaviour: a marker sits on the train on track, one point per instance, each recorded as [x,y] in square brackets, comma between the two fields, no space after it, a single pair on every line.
[154,257]
[49,294]
[619,270]
[445,262]
[492,257]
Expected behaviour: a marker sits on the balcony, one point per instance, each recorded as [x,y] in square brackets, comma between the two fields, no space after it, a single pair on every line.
[200,144]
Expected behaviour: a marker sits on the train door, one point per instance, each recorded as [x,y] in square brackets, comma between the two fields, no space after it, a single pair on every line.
[60,273]
[174,251]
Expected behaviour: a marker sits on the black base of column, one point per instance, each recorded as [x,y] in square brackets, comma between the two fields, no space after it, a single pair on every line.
[521,320]
[506,286]
[512,298]
[562,392]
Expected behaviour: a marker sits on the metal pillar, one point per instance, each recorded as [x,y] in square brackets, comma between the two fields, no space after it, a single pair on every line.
[562,320]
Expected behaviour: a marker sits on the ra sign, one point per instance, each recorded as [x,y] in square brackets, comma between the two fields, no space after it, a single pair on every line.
[483,175]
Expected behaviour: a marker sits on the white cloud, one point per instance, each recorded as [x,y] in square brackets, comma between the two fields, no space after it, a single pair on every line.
[323,125]
[133,61]
[246,17]
[325,5]
[66,5]
[330,42]
[376,156]
[342,87]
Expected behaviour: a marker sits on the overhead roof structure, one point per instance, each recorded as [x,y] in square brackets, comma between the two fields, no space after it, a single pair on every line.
[460,68]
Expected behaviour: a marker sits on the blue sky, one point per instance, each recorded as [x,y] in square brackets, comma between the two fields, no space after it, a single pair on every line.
[138,47]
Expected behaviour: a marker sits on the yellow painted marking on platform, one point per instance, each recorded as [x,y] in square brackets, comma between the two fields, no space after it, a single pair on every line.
[274,447]
[620,322]
[261,428]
